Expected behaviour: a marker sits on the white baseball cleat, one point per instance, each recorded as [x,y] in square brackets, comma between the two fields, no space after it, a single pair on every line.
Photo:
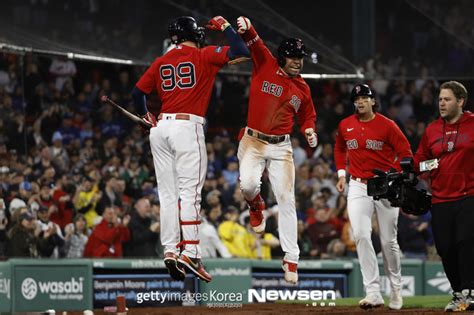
[291,272]
[372,300]
[457,303]
[396,300]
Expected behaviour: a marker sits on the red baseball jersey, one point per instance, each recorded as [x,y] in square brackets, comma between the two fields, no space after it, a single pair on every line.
[274,96]
[375,144]
[453,145]
[184,78]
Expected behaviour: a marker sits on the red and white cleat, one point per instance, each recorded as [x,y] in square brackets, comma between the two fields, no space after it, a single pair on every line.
[196,266]
[171,262]
[291,271]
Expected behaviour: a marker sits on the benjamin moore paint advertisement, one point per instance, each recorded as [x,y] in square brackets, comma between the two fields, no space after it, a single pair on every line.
[56,286]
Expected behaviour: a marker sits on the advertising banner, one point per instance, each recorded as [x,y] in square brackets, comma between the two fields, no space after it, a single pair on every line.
[436,282]
[5,287]
[53,284]
[142,290]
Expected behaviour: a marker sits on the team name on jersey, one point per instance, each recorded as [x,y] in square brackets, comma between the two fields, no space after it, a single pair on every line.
[272,88]
[374,145]
[352,144]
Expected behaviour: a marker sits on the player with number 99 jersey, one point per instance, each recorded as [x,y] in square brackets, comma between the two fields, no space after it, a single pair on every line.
[183,78]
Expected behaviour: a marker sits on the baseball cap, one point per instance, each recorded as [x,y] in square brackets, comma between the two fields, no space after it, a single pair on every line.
[26,186]
[26,216]
[48,184]
[232,159]
[42,208]
[57,136]
[4,170]
[16,204]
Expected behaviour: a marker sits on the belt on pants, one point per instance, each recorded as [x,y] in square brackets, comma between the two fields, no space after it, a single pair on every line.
[267,138]
[191,117]
[360,180]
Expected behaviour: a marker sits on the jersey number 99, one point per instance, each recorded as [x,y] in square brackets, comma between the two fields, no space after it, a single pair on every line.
[182,76]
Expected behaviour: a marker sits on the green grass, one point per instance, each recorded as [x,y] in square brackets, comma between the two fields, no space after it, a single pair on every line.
[430,301]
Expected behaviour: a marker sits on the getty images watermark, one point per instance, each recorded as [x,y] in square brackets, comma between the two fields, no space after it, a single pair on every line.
[214,298]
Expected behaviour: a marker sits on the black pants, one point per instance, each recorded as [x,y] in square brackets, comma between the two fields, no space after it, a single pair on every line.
[453,230]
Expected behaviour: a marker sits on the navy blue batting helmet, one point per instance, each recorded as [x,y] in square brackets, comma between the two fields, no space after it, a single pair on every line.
[290,48]
[184,29]
[361,90]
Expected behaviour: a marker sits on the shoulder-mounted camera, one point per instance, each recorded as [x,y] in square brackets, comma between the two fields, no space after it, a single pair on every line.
[399,188]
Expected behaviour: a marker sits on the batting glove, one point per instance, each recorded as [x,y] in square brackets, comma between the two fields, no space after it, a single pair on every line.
[243,24]
[150,119]
[311,137]
[218,23]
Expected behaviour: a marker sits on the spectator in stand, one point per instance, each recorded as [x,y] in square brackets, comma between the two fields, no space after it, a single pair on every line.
[85,200]
[213,201]
[22,198]
[321,233]
[211,244]
[231,173]
[22,241]
[414,234]
[76,237]
[63,70]
[42,162]
[155,218]
[59,155]
[304,241]
[3,230]
[108,236]
[69,132]
[62,196]
[263,243]
[347,237]
[45,197]
[134,175]
[299,154]
[109,195]
[143,233]
[52,237]
[336,249]
[235,237]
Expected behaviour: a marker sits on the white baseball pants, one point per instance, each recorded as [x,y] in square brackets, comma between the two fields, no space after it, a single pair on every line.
[254,155]
[360,208]
[180,160]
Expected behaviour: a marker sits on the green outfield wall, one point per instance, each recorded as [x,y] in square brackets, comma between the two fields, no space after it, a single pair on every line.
[29,285]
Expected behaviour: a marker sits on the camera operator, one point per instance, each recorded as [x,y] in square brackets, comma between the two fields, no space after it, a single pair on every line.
[447,150]
[368,140]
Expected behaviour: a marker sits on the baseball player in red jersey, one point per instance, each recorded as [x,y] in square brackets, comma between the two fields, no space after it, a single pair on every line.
[446,150]
[183,78]
[365,141]
[277,93]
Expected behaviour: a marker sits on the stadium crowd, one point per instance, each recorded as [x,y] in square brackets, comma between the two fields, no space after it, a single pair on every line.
[77,179]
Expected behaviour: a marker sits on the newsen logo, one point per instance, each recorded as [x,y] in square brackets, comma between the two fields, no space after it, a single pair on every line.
[264,295]
[29,287]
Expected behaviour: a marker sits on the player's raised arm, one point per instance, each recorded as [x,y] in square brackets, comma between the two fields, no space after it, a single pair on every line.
[238,51]
[258,51]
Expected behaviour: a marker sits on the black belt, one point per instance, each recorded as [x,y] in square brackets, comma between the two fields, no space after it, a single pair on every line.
[267,138]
